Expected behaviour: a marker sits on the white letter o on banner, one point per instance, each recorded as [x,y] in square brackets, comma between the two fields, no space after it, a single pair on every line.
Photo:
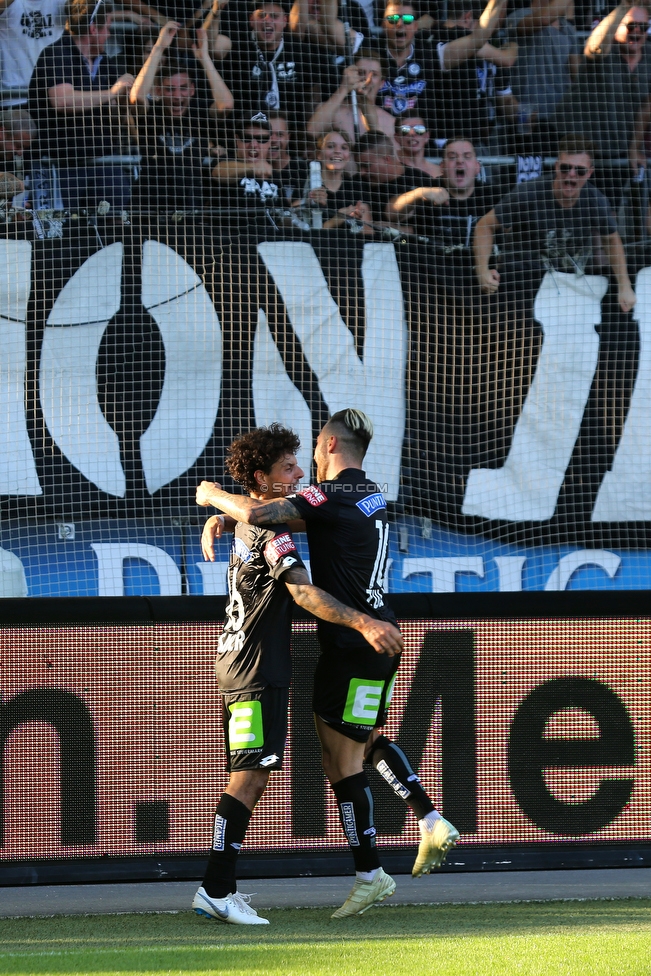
[183,424]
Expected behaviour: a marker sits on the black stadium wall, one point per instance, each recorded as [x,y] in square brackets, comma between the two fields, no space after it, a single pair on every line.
[527,716]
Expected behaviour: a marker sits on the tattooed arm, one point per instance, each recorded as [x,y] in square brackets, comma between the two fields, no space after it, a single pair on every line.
[243,508]
[383,637]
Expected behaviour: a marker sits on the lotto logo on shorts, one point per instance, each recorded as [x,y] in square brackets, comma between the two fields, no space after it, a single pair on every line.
[245,725]
[363,701]
[279,547]
[313,495]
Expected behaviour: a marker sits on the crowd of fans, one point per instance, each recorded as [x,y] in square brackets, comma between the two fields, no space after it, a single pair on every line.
[354,115]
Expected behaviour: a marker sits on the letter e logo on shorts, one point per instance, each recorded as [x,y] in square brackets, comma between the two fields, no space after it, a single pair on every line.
[245,725]
[363,701]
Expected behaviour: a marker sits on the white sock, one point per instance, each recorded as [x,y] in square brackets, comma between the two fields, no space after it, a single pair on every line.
[366,875]
[427,823]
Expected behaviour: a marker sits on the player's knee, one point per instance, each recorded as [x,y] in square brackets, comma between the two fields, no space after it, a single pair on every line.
[259,782]
[373,740]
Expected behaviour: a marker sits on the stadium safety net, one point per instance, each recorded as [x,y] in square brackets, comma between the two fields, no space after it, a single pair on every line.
[221,214]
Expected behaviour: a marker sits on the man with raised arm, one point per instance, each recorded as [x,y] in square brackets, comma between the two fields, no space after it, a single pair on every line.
[365,78]
[548,60]
[348,534]
[471,85]
[78,97]
[410,75]
[253,665]
[556,219]
[613,83]
[175,134]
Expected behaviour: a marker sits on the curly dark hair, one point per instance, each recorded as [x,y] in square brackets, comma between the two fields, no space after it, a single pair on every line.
[258,451]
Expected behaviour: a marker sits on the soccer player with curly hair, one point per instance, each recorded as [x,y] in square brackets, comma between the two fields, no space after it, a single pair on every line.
[253,665]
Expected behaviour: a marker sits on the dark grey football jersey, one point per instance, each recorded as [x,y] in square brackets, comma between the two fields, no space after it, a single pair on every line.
[253,651]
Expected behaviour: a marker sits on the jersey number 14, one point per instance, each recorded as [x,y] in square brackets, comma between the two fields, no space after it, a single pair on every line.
[375,591]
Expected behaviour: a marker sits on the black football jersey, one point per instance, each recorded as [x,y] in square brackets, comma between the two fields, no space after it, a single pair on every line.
[253,650]
[348,536]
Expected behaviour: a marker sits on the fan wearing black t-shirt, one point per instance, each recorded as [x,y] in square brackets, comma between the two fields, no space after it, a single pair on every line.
[271,69]
[348,532]
[75,98]
[289,170]
[410,72]
[470,82]
[450,225]
[174,133]
[385,178]
[253,665]
[246,189]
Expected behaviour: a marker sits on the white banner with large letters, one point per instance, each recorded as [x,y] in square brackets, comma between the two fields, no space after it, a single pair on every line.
[127,369]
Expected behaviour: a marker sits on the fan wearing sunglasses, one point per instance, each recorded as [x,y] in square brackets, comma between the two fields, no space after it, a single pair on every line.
[556,219]
[245,188]
[410,70]
[412,136]
[612,86]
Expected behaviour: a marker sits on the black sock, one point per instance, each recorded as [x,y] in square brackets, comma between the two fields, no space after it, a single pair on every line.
[355,802]
[392,764]
[231,821]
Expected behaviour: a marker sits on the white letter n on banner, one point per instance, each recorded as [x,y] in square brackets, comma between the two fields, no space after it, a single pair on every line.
[526,489]
[376,384]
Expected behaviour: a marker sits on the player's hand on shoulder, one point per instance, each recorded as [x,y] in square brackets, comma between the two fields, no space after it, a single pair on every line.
[204,492]
[383,637]
[213,529]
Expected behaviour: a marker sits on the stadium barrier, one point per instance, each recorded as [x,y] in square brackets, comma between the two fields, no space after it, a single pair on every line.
[528,718]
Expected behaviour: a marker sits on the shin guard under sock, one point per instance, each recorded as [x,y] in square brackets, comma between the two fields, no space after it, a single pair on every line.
[231,821]
[392,764]
[355,802]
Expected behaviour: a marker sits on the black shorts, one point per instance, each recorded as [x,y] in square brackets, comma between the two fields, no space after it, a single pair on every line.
[255,728]
[352,690]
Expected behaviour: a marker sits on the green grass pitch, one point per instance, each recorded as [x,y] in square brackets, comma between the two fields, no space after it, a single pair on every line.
[587,938]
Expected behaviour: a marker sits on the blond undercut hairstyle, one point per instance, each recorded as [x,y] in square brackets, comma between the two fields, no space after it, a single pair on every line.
[354,428]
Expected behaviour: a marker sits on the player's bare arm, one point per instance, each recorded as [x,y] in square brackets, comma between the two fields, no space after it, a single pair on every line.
[383,637]
[243,508]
